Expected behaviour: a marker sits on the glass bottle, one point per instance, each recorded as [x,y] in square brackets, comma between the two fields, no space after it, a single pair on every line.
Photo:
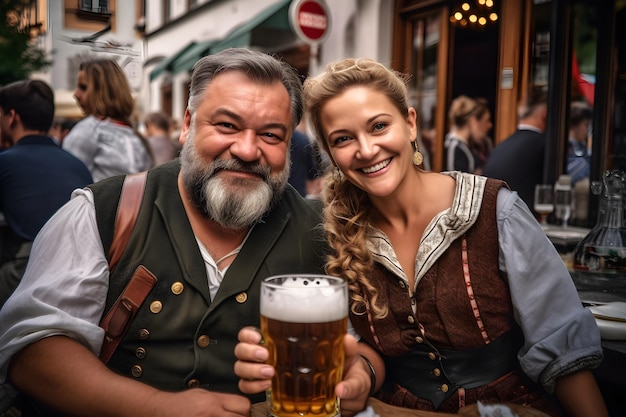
[603,250]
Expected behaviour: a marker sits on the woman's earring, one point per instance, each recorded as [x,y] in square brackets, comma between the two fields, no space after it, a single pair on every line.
[418,158]
[337,174]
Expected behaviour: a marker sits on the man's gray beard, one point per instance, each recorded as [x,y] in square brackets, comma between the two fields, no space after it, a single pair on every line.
[233,203]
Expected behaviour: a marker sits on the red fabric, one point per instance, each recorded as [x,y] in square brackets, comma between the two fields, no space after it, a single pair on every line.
[586,88]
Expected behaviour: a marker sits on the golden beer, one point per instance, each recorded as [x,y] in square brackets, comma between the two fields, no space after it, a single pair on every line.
[304,319]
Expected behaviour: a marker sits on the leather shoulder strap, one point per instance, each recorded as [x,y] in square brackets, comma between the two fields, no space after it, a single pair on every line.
[126,217]
[116,321]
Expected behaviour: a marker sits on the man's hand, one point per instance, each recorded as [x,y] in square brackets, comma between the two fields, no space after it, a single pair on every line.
[64,375]
[256,375]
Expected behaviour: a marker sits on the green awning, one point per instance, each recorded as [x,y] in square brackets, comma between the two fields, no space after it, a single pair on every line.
[275,16]
[166,64]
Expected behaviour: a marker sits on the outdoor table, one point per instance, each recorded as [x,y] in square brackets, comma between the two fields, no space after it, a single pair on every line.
[386,410]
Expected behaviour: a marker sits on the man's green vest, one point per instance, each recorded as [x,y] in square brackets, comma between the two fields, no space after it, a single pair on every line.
[180,338]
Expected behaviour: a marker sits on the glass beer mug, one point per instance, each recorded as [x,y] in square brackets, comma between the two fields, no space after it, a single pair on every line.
[304,319]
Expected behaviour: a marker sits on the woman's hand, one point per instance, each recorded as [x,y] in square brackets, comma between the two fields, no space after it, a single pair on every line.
[355,387]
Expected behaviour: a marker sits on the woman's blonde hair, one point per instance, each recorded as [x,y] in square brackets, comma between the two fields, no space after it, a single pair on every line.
[108,90]
[463,108]
[348,209]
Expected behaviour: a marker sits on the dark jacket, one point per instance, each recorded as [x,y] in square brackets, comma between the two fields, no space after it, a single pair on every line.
[519,161]
[36,179]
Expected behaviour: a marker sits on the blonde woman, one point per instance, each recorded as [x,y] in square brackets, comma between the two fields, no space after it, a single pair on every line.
[470,121]
[456,292]
[105,140]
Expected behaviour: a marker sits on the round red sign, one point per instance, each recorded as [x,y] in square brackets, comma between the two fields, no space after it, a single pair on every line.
[310,20]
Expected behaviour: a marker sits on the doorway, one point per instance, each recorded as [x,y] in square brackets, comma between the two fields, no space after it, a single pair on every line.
[474,56]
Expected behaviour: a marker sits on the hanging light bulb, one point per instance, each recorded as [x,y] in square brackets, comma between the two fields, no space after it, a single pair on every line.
[473,13]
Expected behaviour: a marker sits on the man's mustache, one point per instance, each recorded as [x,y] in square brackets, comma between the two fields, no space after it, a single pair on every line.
[241,166]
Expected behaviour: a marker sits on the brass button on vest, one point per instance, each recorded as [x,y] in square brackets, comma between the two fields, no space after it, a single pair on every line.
[136,371]
[419,339]
[140,352]
[193,383]
[156,307]
[177,288]
[444,388]
[144,334]
[203,341]
[436,371]
[431,356]
[241,298]
[410,319]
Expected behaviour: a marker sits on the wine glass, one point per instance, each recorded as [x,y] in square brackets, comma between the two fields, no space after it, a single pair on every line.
[544,202]
[563,202]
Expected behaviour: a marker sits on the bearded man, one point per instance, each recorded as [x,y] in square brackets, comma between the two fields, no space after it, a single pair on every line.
[210,227]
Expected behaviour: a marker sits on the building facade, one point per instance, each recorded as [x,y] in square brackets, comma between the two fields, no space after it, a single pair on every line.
[75,30]
[177,33]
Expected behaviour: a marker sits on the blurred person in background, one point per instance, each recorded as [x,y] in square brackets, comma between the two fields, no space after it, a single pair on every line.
[105,140]
[4,141]
[36,176]
[578,150]
[518,160]
[483,145]
[305,175]
[159,137]
[4,146]
[470,121]
[60,128]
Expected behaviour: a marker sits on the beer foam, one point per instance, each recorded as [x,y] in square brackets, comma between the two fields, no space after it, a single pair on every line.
[304,282]
[305,300]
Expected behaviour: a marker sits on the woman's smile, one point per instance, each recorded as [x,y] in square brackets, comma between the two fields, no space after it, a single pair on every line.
[377,167]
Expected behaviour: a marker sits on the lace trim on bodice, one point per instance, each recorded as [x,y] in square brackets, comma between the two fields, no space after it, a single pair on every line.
[446,227]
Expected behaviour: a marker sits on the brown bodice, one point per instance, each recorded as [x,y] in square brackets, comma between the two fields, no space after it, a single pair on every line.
[445,315]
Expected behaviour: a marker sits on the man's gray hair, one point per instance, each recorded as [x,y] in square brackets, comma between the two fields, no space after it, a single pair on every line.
[258,66]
